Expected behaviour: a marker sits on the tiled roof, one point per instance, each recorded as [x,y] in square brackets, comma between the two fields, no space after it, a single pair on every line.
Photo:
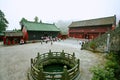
[94,22]
[13,33]
[39,26]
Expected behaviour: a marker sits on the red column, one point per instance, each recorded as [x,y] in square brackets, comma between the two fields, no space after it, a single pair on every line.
[9,42]
[4,40]
[13,42]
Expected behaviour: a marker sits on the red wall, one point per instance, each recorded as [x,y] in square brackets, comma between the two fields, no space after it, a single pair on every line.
[62,36]
[88,32]
[25,34]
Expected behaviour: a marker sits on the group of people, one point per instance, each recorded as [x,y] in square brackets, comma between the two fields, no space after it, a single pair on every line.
[83,42]
[49,39]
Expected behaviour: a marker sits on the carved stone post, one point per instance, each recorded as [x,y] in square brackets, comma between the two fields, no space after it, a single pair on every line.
[65,74]
[73,57]
[62,54]
[78,62]
[49,51]
[38,55]
[31,60]
[40,73]
[50,54]
[31,63]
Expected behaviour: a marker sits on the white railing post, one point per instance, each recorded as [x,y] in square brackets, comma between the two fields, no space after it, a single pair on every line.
[108,43]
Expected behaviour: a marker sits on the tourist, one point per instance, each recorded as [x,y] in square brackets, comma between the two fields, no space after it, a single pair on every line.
[21,41]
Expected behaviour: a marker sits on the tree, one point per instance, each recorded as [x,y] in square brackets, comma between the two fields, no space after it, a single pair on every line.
[3,22]
[119,23]
[36,19]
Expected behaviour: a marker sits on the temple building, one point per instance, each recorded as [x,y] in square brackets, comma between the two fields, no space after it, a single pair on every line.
[63,35]
[12,37]
[34,30]
[90,29]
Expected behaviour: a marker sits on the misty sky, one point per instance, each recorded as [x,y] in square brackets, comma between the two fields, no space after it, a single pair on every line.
[50,11]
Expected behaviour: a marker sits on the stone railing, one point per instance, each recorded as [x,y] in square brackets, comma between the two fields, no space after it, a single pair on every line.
[37,72]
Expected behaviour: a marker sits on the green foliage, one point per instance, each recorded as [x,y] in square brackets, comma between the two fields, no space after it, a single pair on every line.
[110,71]
[114,63]
[3,22]
[118,24]
[93,45]
[102,73]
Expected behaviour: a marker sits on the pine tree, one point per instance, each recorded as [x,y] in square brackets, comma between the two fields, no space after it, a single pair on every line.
[3,22]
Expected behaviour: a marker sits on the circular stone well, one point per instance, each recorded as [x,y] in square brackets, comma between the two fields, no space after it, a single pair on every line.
[54,66]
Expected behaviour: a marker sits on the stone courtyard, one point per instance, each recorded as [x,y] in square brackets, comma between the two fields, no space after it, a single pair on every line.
[15,60]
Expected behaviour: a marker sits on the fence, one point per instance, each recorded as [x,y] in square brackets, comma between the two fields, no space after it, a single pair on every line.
[37,64]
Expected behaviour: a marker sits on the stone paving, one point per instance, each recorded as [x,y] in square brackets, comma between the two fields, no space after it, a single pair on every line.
[15,60]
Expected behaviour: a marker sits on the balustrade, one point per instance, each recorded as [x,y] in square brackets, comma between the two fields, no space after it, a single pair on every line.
[37,64]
